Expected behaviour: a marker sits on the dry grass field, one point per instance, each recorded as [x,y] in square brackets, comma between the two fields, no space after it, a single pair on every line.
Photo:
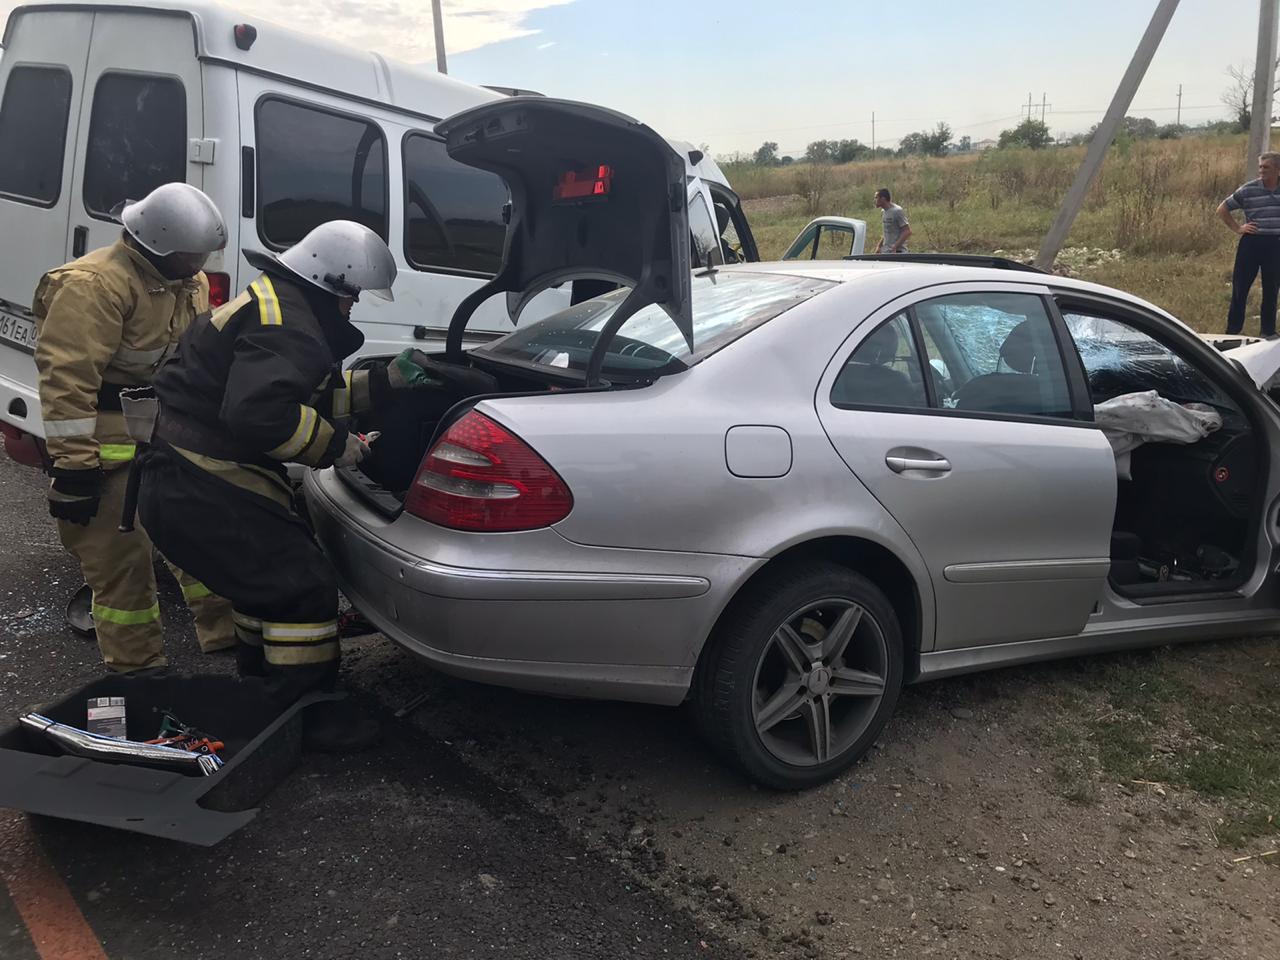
[1153,203]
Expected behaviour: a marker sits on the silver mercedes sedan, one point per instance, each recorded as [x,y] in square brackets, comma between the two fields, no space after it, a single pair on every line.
[864,474]
[784,490]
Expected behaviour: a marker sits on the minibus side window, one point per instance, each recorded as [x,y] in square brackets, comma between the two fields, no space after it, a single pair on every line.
[315,165]
[137,139]
[452,213]
[33,134]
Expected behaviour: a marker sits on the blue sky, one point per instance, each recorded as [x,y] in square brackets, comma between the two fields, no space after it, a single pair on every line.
[734,75]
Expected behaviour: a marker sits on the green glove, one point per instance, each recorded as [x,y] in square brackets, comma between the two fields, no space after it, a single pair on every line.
[408,371]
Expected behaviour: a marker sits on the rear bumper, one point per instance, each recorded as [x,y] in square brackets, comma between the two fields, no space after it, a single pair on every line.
[531,611]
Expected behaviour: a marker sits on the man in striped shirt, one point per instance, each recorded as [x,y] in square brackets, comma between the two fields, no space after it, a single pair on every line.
[1259,247]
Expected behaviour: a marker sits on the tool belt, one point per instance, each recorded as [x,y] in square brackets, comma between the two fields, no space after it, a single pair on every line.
[179,431]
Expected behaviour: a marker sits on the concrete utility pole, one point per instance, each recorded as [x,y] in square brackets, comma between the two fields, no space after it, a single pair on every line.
[1106,132]
[1178,122]
[1044,103]
[1263,85]
[438,19]
[873,131]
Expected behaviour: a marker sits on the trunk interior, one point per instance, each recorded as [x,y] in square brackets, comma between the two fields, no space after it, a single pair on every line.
[407,425]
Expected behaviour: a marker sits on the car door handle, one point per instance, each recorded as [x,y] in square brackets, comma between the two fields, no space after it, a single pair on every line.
[901,464]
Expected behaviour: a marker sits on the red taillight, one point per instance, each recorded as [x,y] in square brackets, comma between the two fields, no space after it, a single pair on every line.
[245,34]
[480,476]
[21,446]
[219,288]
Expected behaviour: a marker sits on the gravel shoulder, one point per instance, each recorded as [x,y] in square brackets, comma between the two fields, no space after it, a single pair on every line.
[956,837]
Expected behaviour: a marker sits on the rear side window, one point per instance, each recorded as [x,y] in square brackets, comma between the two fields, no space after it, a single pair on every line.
[884,371]
[315,166]
[137,139]
[994,353]
[452,212]
[33,134]
[980,353]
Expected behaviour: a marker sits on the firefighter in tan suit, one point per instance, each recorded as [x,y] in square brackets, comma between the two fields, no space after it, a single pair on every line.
[104,322]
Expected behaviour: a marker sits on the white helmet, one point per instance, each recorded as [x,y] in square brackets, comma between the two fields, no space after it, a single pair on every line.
[175,218]
[344,258]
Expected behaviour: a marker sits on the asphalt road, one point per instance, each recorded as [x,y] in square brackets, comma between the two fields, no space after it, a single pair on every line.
[406,851]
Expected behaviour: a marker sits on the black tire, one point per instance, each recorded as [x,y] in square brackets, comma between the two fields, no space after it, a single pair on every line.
[729,698]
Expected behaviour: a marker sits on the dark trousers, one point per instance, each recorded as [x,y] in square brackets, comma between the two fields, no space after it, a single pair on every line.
[1253,254]
[258,554]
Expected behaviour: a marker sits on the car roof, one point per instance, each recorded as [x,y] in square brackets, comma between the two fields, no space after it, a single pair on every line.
[283,51]
[706,167]
[907,276]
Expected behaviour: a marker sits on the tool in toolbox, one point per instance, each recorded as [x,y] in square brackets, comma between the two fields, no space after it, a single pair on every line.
[107,717]
[179,746]
[82,743]
[174,733]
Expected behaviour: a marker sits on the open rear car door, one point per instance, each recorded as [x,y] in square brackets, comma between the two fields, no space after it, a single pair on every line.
[595,194]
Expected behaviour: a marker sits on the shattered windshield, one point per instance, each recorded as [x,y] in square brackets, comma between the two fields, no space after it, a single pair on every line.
[725,307]
[1120,359]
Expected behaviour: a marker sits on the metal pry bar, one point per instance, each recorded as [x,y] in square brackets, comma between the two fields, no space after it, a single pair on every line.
[93,746]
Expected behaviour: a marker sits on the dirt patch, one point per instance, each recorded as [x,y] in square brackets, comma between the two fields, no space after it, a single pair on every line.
[954,838]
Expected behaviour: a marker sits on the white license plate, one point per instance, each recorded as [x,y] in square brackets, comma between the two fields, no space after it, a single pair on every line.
[18,330]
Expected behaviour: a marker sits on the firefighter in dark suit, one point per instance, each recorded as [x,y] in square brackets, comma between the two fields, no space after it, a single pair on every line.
[253,386]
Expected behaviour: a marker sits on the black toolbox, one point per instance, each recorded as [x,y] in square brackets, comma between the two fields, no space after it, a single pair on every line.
[262,745]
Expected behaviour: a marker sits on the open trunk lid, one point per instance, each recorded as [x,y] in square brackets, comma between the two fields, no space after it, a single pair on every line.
[594,194]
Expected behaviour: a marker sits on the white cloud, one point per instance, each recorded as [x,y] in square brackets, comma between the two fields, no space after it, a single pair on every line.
[546,46]
[400,29]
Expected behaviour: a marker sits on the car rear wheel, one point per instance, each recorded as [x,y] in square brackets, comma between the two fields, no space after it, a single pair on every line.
[802,675]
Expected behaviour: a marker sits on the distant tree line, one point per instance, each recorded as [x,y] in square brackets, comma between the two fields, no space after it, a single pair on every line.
[1030,134]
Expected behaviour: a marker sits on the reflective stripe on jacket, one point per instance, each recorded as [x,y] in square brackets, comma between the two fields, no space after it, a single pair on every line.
[107,318]
[257,382]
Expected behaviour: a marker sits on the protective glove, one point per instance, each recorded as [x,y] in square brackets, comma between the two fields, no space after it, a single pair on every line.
[74,495]
[354,452]
[408,370]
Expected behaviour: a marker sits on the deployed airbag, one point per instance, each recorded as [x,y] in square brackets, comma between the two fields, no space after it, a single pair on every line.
[1132,419]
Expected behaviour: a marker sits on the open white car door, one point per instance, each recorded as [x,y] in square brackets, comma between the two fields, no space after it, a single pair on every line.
[1260,359]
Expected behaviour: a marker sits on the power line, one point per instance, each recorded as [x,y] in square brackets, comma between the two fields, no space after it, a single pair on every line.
[877,121]
[880,121]
[1135,110]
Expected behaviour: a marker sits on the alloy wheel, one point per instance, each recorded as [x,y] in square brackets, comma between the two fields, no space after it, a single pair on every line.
[819,682]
